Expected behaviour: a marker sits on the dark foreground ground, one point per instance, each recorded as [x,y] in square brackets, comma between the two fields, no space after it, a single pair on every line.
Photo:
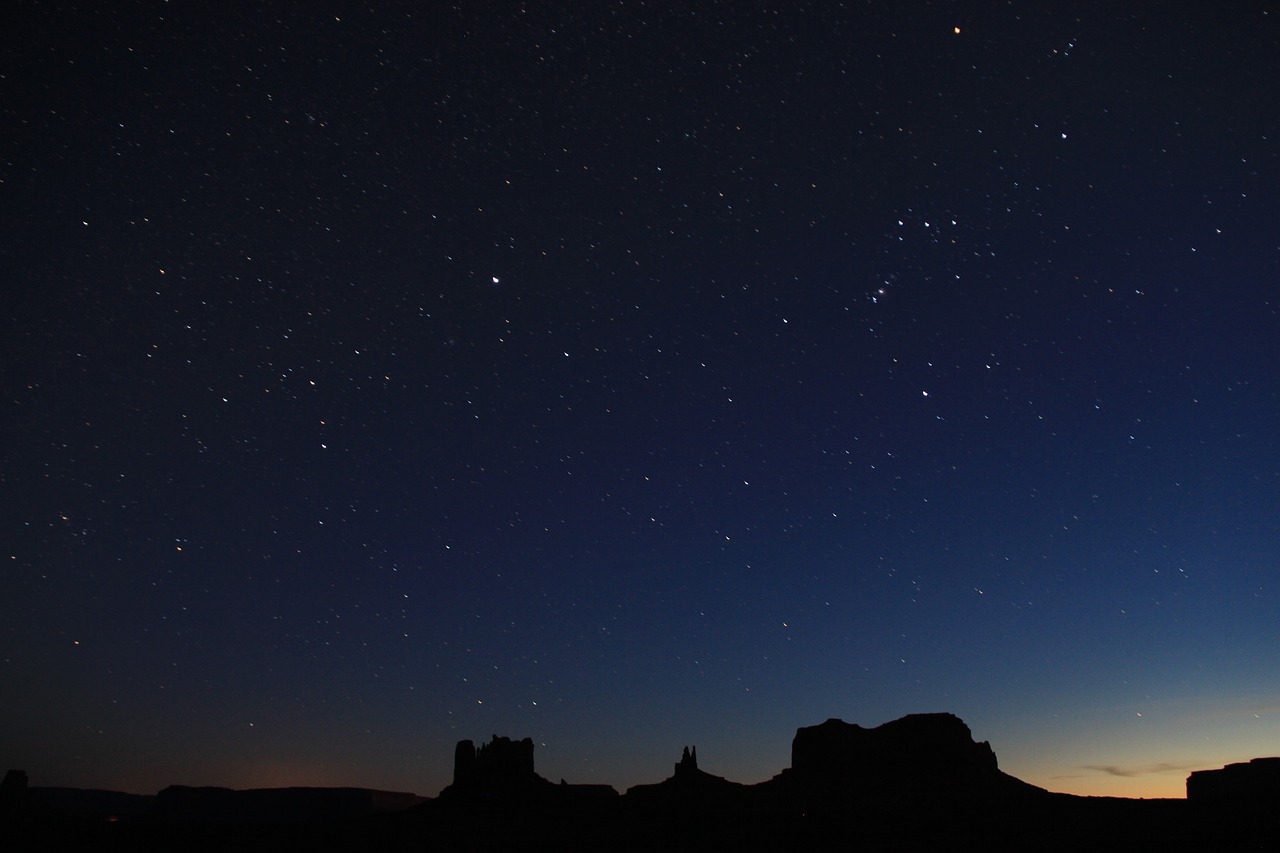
[1057,823]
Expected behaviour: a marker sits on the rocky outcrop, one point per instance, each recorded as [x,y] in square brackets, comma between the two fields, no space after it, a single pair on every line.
[14,793]
[688,762]
[501,761]
[1252,781]
[928,743]
[502,771]
[20,801]
[687,783]
[920,754]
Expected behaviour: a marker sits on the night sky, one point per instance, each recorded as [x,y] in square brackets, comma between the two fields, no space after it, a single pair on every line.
[630,375]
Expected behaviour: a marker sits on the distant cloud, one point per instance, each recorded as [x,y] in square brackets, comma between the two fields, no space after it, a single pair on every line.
[1144,770]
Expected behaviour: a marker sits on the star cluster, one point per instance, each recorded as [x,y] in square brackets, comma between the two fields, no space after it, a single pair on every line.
[379,375]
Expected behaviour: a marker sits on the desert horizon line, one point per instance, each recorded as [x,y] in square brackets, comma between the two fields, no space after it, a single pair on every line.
[1119,770]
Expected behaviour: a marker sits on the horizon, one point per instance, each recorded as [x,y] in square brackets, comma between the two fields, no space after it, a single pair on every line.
[382,376]
[1093,780]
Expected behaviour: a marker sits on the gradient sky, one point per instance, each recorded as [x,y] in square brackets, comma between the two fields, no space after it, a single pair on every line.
[631,375]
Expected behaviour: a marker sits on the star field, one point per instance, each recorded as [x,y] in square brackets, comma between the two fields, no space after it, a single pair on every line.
[381,375]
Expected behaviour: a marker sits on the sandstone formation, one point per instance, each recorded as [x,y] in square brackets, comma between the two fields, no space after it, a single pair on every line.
[918,755]
[1252,781]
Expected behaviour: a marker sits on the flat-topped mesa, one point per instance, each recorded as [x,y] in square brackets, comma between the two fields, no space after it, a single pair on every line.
[914,752]
[1252,781]
[275,805]
[501,771]
[501,760]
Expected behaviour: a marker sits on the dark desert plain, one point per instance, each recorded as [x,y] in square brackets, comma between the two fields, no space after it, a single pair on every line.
[918,783]
[626,375]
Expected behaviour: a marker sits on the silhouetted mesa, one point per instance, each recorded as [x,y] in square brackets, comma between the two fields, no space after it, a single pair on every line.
[502,769]
[276,805]
[1250,781]
[14,792]
[500,761]
[18,800]
[919,754]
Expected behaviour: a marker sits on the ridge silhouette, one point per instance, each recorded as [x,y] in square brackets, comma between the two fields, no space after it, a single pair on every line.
[919,782]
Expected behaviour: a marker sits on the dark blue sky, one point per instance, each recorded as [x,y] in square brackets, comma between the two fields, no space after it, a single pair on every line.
[634,375]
